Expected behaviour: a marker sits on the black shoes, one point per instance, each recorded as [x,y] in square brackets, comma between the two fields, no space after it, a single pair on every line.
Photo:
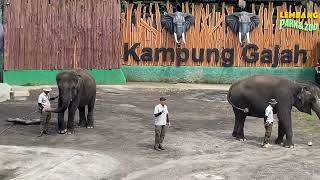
[161,147]
[158,148]
[43,132]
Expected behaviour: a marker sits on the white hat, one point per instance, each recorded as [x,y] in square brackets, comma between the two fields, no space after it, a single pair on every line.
[47,89]
[273,102]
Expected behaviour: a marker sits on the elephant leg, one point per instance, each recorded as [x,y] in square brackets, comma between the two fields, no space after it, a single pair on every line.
[90,114]
[72,110]
[61,124]
[239,124]
[235,129]
[241,129]
[281,133]
[285,118]
[82,116]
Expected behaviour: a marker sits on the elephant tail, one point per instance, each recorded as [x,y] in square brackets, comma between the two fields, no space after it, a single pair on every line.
[245,110]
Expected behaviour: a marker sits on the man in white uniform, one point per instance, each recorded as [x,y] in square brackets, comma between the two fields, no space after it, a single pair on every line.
[268,122]
[44,103]
[162,119]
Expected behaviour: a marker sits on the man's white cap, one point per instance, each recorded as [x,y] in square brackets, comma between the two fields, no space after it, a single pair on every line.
[273,102]
[47,89]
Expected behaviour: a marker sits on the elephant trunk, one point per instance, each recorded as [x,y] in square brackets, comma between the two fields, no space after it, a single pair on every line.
[63,107]
[65,98]
[316,108]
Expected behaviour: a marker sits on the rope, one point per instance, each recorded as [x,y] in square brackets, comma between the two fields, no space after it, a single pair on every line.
[6,128]
[245,110]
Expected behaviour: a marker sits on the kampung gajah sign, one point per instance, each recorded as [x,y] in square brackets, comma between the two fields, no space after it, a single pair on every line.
[292,20]
[250,54]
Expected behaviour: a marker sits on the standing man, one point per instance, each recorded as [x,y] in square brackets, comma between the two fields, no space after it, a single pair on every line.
[44,103]
[162,119]
[268,122]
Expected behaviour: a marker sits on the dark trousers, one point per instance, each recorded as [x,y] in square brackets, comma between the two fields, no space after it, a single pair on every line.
[160,132]
[44,118]
[267,135]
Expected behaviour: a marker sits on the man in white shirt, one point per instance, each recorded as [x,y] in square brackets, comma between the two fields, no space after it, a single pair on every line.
[268,122]
[162,119]
[44,103]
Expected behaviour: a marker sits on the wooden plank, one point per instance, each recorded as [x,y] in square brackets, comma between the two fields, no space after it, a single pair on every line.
[7,42]
[43,62]
[15,36]
[34,42]
[106,34]
[117,31]
[86,41]
[90,34]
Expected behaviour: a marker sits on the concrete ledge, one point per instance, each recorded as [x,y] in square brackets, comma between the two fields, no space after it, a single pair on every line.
[218,75]
[5,90]
[48,77]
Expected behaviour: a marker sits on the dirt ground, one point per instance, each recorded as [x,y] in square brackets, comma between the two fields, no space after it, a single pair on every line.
[198,145]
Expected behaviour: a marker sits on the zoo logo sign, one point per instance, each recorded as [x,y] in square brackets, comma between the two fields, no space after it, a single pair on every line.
[289,20]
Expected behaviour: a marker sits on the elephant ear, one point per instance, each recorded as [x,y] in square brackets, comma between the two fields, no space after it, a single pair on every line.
[233,22]
[189,21]
[254,22]
[167,22]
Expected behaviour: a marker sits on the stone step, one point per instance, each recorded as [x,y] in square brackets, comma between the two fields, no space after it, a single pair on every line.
[21,93]
[5,90]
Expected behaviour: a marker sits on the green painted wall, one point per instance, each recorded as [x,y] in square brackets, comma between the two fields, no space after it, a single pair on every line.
[184,74]
[48,77]
[198,74]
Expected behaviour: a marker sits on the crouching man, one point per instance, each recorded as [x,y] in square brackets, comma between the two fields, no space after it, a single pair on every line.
[44,103]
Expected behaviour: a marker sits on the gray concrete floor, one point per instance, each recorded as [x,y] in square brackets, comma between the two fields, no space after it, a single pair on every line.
[198,144]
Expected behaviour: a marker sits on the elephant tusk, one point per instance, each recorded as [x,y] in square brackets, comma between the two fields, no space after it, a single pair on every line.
[240,37]
[175,38]
[183,38]
[248,39]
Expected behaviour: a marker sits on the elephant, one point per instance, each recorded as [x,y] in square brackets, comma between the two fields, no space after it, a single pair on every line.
[177,23]
[242,23]
[77,89]
[250,96]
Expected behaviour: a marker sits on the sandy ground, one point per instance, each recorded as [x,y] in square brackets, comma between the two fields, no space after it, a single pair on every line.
[198,145]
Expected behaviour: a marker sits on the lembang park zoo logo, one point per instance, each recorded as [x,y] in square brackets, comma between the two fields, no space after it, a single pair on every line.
[298,20]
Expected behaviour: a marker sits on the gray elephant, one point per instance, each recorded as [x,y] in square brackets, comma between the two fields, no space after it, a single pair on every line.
[77,89]
[177,23]
[250,96]
[242,23]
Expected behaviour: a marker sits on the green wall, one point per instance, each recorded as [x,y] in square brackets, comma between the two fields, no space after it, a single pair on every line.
[198,74]
[184,74]
[48,77]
